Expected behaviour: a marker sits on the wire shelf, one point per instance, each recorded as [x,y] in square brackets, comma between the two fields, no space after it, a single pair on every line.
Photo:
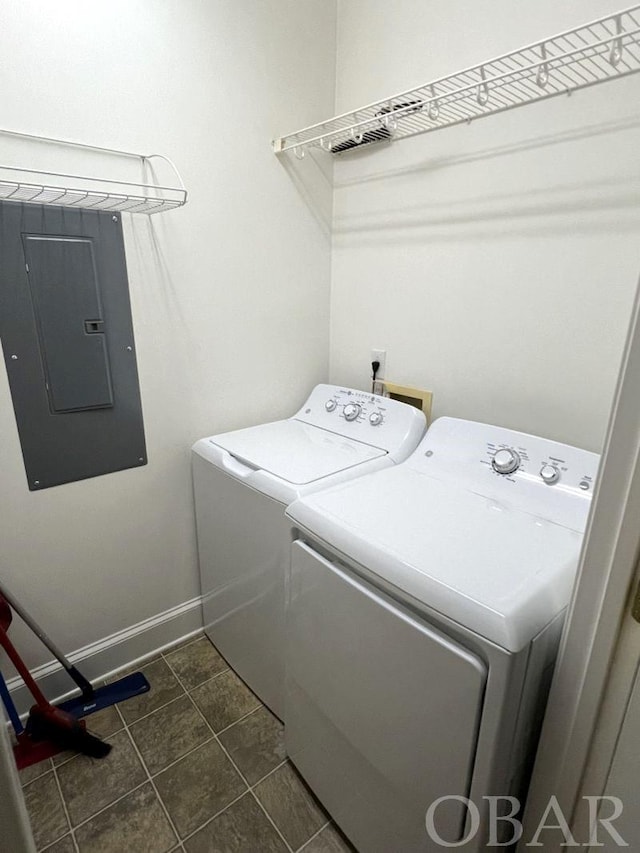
[605,49]
[41,186]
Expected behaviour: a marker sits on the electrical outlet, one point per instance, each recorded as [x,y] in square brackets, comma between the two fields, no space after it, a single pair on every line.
[381,356]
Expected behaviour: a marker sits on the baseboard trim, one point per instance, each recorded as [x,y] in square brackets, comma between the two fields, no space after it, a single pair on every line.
[101,659]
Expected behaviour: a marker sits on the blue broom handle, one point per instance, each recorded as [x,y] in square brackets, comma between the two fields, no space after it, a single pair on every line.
[7,701]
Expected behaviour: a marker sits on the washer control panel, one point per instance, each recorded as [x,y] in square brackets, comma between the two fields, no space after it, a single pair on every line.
[358,406]
[350,405]
[535,474]
[365,417]
[537,462]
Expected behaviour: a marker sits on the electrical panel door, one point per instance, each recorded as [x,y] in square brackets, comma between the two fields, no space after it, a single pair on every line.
[67,337]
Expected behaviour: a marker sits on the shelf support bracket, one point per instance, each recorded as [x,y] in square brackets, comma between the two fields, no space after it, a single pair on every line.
[542,75]
[434,106]
[482,95]
[615,54]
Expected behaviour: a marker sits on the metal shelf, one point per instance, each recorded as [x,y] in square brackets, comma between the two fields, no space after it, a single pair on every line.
[605,49]
[42,186]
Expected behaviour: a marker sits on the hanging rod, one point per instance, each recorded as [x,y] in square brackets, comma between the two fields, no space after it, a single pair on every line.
[102,193]
[602,50]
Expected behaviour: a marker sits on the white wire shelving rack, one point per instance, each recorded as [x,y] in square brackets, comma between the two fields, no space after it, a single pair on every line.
[42,186]
[602,50]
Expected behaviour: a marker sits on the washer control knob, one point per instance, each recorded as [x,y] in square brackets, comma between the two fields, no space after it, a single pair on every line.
[375,418]
[549,474]
[351,411]
[330,405]
[506,461]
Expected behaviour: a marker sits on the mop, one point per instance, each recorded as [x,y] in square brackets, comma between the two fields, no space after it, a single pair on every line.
[49,729]
[91,699]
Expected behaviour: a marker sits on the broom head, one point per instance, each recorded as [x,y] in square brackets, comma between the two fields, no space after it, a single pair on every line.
[62,729]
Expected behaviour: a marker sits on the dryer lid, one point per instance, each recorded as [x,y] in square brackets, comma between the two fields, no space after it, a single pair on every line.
[501,572]
[294,451]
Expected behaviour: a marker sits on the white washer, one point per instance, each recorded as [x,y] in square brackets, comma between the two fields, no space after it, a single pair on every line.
[243,480]
[424,613]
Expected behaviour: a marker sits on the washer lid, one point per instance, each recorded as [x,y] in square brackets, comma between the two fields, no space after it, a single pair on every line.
[501,572]
[294,451]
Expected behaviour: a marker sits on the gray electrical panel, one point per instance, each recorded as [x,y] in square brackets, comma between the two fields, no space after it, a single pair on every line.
[67,337]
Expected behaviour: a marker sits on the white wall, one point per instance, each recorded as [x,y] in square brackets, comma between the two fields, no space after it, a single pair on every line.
[230,295]
[495,262]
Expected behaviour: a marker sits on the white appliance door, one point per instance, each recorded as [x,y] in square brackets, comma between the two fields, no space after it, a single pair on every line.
[381,710]
[294,451]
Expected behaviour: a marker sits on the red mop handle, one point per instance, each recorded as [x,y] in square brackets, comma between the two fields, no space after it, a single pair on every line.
[20,665]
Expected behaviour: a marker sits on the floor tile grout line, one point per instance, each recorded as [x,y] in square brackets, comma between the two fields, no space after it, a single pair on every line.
[160,656]
[213,817]
[178,760]
[239,720]
[171,652]
[315,835]
[119,713]
[155,789]
[213,736]
[146,660]
[270,773]
[224,750]
[271,821]
[217,740]
[79,754]
[237,769]
[253,791]
[233,763]
[108,806]
[159,708]
[24,785]
[207,680]
[151,713]
[53,843]
[251,788]
[66,810]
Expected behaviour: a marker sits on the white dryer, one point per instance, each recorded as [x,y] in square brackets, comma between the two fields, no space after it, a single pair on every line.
[243,480]
[424,613]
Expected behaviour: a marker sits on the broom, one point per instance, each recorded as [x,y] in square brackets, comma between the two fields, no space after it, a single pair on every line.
[45,721]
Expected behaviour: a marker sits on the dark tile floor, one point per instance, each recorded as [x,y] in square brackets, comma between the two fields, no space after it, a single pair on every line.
[197,765]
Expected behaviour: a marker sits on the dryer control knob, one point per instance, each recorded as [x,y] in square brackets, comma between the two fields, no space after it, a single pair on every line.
[330,405]
[351,411]
[549,474]
[506,461]
[375,418]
